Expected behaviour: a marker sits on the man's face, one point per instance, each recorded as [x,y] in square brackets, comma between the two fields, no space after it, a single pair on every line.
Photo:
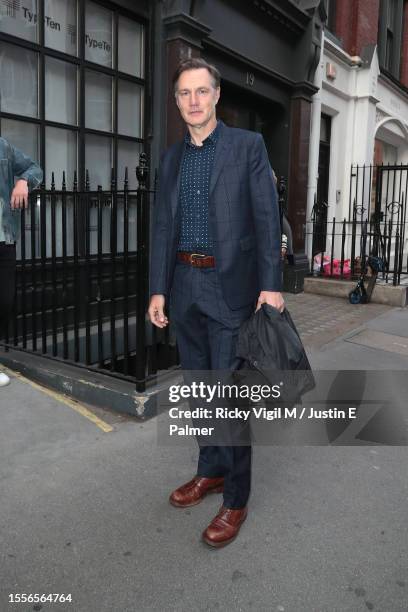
[196,97]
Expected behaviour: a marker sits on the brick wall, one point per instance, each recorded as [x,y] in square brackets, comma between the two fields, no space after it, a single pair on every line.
[357,23]
[404,48]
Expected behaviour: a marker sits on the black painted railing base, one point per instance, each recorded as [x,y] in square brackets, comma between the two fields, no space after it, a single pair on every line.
[90,385]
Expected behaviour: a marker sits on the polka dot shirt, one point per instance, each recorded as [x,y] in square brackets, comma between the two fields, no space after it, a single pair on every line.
[194,195]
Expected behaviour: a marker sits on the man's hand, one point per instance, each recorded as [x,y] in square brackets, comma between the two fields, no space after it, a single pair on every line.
[19,195]
[156,311]
[273,298]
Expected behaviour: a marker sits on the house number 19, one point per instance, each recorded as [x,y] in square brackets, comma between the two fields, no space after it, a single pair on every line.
[250,78]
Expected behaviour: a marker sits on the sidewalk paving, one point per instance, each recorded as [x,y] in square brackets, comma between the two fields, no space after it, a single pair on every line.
[85,511]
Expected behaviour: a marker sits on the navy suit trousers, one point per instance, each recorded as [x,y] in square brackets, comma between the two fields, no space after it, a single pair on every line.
[207,331]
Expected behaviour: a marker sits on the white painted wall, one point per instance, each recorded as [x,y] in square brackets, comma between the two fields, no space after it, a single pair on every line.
[363,106]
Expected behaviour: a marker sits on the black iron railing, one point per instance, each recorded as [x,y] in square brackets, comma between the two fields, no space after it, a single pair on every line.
[82,280]
[376,225]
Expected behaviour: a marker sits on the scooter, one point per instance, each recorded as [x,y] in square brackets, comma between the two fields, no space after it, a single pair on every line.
[361,295]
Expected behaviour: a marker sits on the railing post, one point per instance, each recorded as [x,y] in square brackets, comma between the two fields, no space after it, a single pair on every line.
[353,239]
[281,186]
[126,274]
[395,277]
[313,233]
[402,232]
[343,240]
[113,254]
[142,270]
[75,270]
[23,273]
[33,287]
[54,270]
[64,268]
[99,294]
[332,245]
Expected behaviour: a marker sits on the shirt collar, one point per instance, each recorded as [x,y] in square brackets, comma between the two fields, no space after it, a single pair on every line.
[211,138]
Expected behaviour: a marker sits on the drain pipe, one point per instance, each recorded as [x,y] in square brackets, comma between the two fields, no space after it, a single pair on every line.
[314,144]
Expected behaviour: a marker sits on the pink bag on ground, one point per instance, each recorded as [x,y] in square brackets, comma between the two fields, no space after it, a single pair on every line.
[328,270]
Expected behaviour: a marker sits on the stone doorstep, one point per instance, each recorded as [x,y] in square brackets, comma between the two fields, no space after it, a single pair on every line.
[382,294]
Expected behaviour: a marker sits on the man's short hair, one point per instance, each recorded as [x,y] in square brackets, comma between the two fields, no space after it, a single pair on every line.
[195,63]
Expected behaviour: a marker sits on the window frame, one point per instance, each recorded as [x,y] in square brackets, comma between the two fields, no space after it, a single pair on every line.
[390,37]
[331,9]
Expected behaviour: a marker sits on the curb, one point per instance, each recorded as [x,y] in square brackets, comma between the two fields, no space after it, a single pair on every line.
[90,386]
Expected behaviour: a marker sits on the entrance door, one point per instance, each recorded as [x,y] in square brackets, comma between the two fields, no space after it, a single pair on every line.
[242,109]
[320,210]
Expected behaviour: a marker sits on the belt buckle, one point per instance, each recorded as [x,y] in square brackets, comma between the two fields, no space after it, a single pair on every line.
[194,257]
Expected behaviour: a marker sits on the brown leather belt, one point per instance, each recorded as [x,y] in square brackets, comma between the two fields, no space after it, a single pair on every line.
[196,259]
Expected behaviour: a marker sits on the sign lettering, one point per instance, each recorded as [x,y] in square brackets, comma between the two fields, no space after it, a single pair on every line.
[95,41]
[33,18]
[97,44]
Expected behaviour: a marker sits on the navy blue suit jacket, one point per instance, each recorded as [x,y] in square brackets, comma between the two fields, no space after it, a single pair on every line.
[243,218]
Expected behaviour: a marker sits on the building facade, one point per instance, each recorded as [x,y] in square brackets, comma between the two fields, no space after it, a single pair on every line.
[361,113]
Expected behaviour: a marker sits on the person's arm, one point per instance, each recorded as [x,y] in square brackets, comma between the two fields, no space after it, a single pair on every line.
[24,168]
[28,176]
[267,226]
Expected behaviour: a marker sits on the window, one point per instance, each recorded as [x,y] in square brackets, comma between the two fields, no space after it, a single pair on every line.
[18,80]
[389,45]
[19,20]
[130,47]
[22,134]
[60,91]
[129,109]
[60,25]
[98,101]
[76,96]
[98,35]
[60,154]
[98,160]
[390,35]
[331,15]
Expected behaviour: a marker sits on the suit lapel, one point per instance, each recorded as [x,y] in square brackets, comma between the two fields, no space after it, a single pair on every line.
[176,177]
[222,152]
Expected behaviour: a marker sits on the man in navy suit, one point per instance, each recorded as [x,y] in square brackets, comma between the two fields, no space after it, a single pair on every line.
[215,256]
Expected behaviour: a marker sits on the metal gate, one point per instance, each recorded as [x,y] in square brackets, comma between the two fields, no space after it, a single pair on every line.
[378,197]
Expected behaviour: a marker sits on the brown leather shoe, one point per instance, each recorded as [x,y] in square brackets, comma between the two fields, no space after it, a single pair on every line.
[224,527]
[193,491]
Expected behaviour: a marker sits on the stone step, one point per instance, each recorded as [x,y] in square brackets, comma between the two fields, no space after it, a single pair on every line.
[382,294]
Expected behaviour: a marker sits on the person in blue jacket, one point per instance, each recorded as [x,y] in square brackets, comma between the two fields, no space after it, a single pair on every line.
[18,175]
